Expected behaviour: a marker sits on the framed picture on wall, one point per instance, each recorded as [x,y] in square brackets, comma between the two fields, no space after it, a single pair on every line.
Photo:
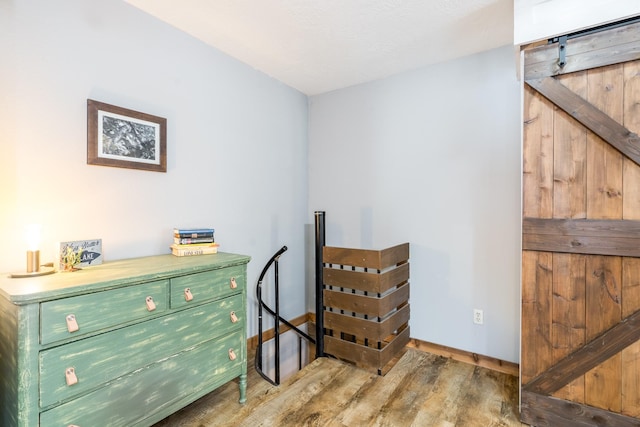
[125,138]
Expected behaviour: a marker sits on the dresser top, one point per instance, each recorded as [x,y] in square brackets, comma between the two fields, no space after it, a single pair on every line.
[111,274]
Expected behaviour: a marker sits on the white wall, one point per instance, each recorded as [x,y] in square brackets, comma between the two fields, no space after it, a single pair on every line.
[237,140]
[542,19]
[431,157]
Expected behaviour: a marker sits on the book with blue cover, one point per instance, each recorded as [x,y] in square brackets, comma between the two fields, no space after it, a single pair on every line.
[193,233]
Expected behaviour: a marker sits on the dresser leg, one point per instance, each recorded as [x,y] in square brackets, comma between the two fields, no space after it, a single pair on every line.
[243,388]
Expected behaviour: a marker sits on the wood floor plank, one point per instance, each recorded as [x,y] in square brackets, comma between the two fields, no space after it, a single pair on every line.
[486,395]
[336,394]
[422,389]
[404,402]
[442,403]
[293,396]
[365,407]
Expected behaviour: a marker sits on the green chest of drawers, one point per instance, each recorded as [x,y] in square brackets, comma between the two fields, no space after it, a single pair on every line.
[125,343]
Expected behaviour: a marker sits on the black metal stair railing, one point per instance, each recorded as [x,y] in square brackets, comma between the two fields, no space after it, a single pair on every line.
[278,320]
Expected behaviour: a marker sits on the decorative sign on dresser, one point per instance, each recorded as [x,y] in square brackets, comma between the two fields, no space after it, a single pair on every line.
[125,343]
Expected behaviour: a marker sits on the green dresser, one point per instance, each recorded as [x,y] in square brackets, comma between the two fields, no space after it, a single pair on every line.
[125,343]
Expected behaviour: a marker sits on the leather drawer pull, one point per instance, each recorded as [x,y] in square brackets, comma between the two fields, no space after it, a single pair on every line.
[232,354]
[188,296]
[233,316]
[72,323]
[70,375]
[150,304]
[233,283]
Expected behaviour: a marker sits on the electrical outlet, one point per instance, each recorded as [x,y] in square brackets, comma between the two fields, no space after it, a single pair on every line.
[478,316]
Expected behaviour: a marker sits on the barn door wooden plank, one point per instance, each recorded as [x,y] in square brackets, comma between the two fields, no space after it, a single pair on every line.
[587,357]
[631,266]
[537,267]
[631,355]
[604,201]
[569,201]
[582,236]
[568,328]
[570,156]
[537,173]
[600,228]
[546,411]
[625,141]
[604,162]
[631,121]
[537,354]
[613,46]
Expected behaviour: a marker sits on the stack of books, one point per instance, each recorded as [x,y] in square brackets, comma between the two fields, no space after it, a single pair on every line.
[193,241]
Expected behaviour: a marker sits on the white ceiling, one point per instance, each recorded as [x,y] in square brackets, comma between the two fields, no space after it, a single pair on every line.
[317,46]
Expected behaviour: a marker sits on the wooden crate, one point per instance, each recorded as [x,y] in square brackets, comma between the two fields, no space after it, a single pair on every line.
[366,305]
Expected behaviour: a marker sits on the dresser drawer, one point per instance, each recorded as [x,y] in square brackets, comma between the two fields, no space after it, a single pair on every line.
[102,358]
[129,400]
[92,312]
[207,285]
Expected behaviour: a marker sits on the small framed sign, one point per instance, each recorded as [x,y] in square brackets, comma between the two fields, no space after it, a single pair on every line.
[77,254]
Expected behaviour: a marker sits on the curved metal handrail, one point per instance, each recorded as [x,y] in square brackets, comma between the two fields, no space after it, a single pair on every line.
[276,314]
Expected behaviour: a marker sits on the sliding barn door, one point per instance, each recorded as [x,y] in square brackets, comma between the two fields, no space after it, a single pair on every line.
[580,355]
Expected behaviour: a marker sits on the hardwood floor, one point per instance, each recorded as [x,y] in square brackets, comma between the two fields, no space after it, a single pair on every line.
[421,390]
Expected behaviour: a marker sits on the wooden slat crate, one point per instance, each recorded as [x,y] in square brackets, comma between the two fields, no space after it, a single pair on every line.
[366,305]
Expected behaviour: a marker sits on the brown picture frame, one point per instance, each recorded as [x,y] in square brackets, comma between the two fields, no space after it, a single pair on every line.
[125,138]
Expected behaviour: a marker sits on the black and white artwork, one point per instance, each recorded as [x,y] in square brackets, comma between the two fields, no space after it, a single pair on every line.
[125,138]
[121,136]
